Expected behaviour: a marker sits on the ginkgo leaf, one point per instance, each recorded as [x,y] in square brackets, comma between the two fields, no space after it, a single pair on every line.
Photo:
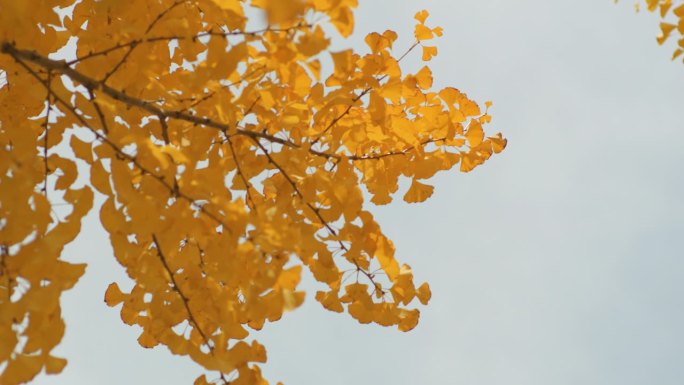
[81,149]
[475,134]
[113,296]
[146,340]
[54,365]
[666,29]
[312,44]
[429,52]
[418,192]
[424,78]
[422,32]
[343,21]
[498,143]
[421,16]
[232,5]
[423,293]
[408,319]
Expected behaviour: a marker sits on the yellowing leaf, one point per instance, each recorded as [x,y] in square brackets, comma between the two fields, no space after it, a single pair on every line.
[475,133]
[667,29]
[54,365]
[343,21]
[409,319]
[429,52]
[422,32]
[421,16]
[424,78]
[81,149]
[146,340]
[231,5]
[289,279]
[498,143]
[113,296]
[343,62]
[423,293]
[418,192]
[313,43]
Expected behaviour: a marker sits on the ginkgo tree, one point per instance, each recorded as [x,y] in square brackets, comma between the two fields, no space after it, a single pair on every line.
[231,156]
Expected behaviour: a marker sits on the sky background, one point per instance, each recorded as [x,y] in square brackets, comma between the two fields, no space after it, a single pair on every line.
[558,262]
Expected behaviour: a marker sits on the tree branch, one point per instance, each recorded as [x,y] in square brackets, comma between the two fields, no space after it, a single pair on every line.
[248,185]
[317,212]
[176,288]
[173,189]
[358,97]
[92,84]
[46,125]
[168,38]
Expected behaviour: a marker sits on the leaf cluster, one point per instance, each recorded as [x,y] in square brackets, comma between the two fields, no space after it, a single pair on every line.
[230,159]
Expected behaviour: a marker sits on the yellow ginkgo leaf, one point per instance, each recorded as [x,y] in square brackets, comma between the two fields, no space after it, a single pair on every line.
[421,16]
[81,149]
[54,365]
[475,134]
[424,78]
[418,192]
[429,52]
[422,32]
[113,295]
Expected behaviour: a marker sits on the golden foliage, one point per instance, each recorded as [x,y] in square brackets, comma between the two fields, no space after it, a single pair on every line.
[230,160]
[672,24]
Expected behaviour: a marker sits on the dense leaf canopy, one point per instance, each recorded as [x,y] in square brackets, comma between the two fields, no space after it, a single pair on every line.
[233,152]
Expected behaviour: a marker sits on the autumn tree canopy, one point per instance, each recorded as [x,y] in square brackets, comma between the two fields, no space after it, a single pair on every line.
[233,146]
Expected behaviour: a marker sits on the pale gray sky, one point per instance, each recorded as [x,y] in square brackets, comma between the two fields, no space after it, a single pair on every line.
[558,262]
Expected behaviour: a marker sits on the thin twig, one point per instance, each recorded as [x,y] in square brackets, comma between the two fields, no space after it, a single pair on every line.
[185,299]
[46,125]
[98,110]
[248,185]
[177,289]
[316,211]
[133,46]
[164,129]
[195,37]
[358,97]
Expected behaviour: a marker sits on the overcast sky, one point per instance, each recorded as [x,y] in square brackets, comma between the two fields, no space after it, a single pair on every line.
[558,262]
